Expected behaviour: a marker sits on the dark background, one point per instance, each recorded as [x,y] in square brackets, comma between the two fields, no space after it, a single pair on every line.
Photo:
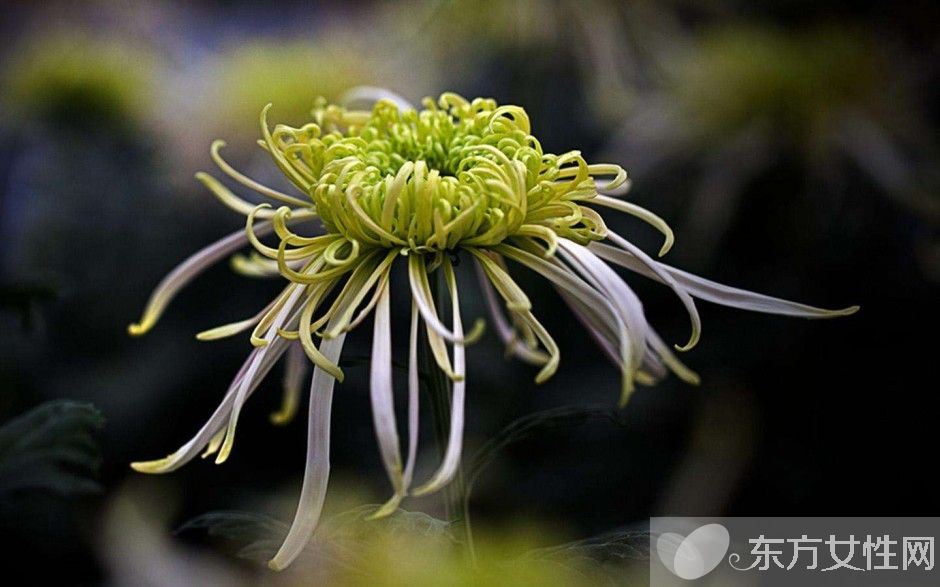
[791,145]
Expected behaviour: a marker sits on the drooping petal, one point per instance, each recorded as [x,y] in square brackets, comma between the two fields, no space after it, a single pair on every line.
[628,308]
[516,299]
[609,329]
[606,328]
[596,328]
[451,461]
[370,305]
[317,470]
[413,403]
[305,334]
[186,271]
[216,422]
[717,293]
[628,305]
[421,291]
[364,278]
[242,394]
[382,394]
[422,299]
[662,350]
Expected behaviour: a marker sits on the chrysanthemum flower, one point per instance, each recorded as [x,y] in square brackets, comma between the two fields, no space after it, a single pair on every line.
[396,185]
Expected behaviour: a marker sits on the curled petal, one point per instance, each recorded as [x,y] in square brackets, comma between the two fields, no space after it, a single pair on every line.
[644,215]
[248,182]
[421,290]
[667,279]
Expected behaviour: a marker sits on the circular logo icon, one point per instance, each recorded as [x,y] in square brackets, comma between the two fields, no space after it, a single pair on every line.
[696,555]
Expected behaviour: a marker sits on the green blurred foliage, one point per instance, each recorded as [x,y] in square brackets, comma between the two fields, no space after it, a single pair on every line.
[66,78]
[798,82]
[413,548]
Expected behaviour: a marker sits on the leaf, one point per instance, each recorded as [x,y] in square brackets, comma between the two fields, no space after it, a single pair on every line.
[613,558]
[51,448]
[237,526]
[616,546]
[257,537]
[401,521]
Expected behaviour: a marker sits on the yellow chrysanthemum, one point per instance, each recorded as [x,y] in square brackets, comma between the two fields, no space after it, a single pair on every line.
[395,184]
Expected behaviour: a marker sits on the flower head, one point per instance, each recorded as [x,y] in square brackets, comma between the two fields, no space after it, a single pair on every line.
[416,187]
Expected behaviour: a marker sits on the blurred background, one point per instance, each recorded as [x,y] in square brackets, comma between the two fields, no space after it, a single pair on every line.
[791,145]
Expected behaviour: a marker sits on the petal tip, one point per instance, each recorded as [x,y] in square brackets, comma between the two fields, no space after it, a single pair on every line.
[139,328]
[157,466]
[693,342]
[667,245]
[387,509]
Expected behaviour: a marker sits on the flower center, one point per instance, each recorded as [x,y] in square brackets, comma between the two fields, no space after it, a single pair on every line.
[456,173]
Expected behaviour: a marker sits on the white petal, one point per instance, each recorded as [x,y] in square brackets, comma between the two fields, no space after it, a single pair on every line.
[615,290]
[317,471]
[721,294]
[251,375]
[413,402]
[391,505]
[666,278]
[593,323]
[217,421]
[382,393]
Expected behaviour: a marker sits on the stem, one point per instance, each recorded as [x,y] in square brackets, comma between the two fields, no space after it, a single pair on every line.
[456,499]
